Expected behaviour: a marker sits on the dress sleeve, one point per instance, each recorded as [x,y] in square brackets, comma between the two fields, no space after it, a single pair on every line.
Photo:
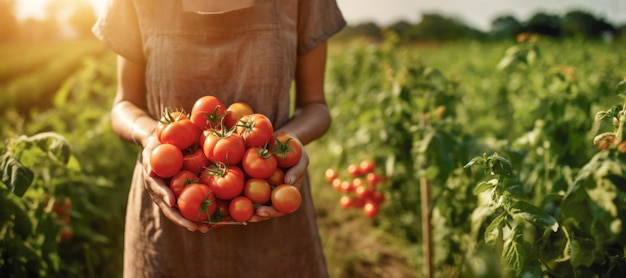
[118,28]
[318,20]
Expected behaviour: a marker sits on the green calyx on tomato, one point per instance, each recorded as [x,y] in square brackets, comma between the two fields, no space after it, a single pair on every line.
[175,127]
[255,129]
[208,112]
[258,162]
[287,150]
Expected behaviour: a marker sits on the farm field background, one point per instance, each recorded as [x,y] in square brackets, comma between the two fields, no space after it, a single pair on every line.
[422,112]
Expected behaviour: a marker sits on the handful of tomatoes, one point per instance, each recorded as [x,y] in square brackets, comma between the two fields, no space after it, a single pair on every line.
[222,162]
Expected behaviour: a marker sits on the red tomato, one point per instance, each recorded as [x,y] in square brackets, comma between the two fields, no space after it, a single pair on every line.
[221,213]
[258,162]
[356,182]
[330,175]
[197,202]
[258,191]
[363,192]
[287,150]
[354,170]
[370,209]
[235,111]
[181,180]
[167,117]
[207,112]
[255,129]
[286,198]
[346,187]
[336,183]
[62,206]
[378,197]
[225,181]
[66,234]
[346,202]
[166,160]
[241,209]
[195,160]
[367,166]
[179,131]
[277,178]
[373,179]
[225,148]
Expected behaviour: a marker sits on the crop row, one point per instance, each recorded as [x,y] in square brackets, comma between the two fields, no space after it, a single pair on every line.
[35,89]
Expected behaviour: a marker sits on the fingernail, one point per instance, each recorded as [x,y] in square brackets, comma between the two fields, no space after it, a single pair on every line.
[263,214]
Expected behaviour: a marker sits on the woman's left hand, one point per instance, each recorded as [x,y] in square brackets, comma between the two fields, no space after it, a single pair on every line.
[296,176]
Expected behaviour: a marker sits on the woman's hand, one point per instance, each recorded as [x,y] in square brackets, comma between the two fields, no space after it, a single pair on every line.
[296,175]
[161,193]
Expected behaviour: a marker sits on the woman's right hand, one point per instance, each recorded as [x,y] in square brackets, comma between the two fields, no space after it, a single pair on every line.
[161,193]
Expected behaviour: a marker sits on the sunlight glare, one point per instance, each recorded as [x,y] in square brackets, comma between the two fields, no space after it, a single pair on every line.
[37,8]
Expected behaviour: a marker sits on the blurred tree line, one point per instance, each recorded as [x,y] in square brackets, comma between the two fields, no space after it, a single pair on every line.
[73,19]
[436,27]
[63,19]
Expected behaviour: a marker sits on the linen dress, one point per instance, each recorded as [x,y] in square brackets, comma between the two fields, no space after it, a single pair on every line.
[242,55]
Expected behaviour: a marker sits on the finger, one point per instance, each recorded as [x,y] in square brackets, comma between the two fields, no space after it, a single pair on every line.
[178,219]
[296,174]
[264,213]
[157,186]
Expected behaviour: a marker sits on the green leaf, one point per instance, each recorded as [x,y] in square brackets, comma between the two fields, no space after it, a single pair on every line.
[513,251]
[499,165]
[473,161]
[527,211]
[484,186]
[54,144]
[582,252]
[14,175]
[621,87]
[23,225]
[492,232]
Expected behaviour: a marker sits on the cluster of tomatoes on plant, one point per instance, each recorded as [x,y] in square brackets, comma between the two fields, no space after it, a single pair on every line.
[222,162]
[361,190]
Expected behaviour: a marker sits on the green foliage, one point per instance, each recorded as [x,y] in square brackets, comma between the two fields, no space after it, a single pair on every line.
[62,160]
[534,109]
[546,204]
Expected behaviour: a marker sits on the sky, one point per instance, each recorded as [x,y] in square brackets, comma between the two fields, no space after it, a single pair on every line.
[475,13]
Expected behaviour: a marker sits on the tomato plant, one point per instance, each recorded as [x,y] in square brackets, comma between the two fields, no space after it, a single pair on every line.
[286,198]
[166,160]
[361,190]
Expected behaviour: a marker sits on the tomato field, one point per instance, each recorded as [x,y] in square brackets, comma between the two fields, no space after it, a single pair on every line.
[496,159]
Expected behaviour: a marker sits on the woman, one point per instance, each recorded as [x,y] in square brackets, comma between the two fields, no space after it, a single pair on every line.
[170,53]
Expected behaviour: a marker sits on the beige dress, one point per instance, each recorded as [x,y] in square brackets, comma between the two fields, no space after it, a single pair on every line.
[243,55]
